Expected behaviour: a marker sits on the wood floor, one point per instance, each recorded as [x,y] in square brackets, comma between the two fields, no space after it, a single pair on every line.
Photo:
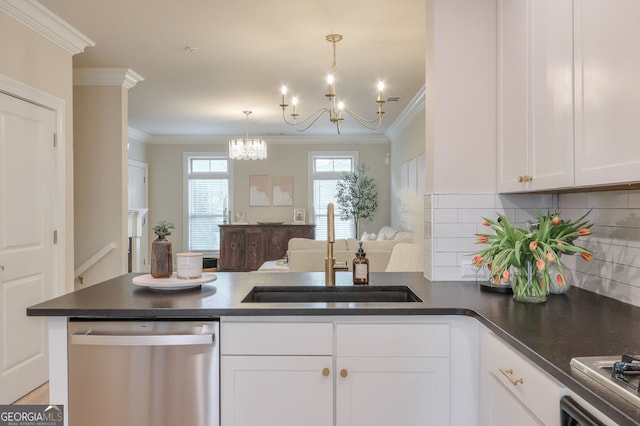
[38,396]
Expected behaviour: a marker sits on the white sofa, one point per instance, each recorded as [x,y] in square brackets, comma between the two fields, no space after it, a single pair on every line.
[306,255]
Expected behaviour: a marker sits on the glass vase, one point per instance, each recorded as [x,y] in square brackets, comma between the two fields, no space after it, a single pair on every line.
[554,286]
[527,285]
[161,259]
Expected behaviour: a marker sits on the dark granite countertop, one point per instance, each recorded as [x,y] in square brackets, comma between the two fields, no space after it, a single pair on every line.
[579,323]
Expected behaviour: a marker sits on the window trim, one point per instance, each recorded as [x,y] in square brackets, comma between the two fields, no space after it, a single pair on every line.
[185,190]
[336,175]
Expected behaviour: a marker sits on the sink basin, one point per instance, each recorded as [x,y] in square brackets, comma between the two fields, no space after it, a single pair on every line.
[317,294]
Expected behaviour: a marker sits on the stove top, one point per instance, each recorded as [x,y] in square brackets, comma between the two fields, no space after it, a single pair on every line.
[620,374]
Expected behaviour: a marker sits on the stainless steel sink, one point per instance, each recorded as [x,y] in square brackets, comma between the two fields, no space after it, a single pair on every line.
[318,294]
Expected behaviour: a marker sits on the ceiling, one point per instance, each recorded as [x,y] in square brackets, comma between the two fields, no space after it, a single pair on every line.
[245,50]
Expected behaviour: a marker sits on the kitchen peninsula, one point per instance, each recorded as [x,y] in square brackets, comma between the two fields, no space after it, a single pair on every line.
[546,336]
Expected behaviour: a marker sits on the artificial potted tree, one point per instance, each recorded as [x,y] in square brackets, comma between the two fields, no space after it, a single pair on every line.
[161,258]
[357,196]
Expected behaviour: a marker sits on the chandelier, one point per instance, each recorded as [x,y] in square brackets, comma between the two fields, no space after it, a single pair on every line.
[336,108]
[247,149]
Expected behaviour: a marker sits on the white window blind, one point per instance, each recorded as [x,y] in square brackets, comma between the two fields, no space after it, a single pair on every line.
[327,170]
[208,192]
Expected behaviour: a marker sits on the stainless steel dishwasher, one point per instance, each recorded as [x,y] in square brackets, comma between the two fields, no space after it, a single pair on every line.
[137,373]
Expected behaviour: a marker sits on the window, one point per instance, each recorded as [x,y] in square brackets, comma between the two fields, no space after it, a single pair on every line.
[327,169]
[207,189]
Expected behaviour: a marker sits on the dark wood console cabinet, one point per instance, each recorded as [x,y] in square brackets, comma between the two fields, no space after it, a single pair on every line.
[247,247]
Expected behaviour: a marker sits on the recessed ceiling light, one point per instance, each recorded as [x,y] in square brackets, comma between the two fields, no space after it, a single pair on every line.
[393,98]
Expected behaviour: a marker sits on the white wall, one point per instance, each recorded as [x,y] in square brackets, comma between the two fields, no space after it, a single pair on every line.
[166,180]
[31,59]
[406,144]
[100,118]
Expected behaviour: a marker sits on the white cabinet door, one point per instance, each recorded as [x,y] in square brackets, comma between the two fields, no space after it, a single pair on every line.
[392,391]
[551,72]
[276,390]
[607,91]
[512,389]
[535,95]
[502,408]
[513,109]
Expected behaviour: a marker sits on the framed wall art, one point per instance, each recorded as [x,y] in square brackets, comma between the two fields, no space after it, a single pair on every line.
[282,190]
[259,191]
[299,216]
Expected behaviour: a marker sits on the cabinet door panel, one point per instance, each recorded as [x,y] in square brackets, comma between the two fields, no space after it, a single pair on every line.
[505,409]
[254,250]
[276,245]
[232,250]
[513,109]
[608,92]
[392,391]
[551,141]
[276,391]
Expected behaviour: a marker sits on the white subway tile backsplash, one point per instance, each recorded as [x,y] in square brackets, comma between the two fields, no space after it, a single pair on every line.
[466,201]
[456,245]
[447,273]
[626,293]
[454,230]
[573,201]
[527,201]
[634,199]
[445,259]
[608,200]
[620,218]
[476,215]
[451,220]
[445,216]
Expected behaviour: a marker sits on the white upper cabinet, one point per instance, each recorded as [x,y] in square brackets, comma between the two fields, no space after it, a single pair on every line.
[607,92]
[535,95]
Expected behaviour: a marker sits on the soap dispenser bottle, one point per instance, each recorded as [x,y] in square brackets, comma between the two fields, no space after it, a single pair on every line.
[361,267]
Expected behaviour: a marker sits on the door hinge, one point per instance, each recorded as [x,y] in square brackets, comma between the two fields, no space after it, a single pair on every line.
[55,237]
[55,140]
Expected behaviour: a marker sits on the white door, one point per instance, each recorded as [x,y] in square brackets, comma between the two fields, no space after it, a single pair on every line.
[137,185]
[27,170]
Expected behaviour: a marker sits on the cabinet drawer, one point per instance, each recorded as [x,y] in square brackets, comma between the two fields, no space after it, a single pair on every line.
[276,338]
[393,340]
[532,386]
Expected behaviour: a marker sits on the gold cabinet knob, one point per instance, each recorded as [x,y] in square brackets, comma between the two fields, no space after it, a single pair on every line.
[520,179]
[325,372]
[344,373]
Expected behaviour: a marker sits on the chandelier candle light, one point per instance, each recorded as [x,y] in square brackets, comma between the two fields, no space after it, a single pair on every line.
[247,149]
[336,108]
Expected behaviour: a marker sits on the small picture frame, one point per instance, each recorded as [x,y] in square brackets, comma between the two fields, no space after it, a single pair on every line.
[299,216]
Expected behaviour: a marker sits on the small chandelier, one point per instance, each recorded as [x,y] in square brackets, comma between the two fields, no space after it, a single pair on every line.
[336,108]
[247,149]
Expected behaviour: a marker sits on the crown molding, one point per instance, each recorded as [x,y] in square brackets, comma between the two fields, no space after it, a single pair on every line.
[137,135]
[124,77]
[35,16]
[275,140]
[415,107]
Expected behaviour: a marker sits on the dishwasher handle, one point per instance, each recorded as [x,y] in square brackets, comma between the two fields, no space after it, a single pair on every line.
[141,339]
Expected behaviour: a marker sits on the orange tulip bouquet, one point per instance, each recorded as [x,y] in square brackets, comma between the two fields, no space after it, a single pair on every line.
[530,252]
